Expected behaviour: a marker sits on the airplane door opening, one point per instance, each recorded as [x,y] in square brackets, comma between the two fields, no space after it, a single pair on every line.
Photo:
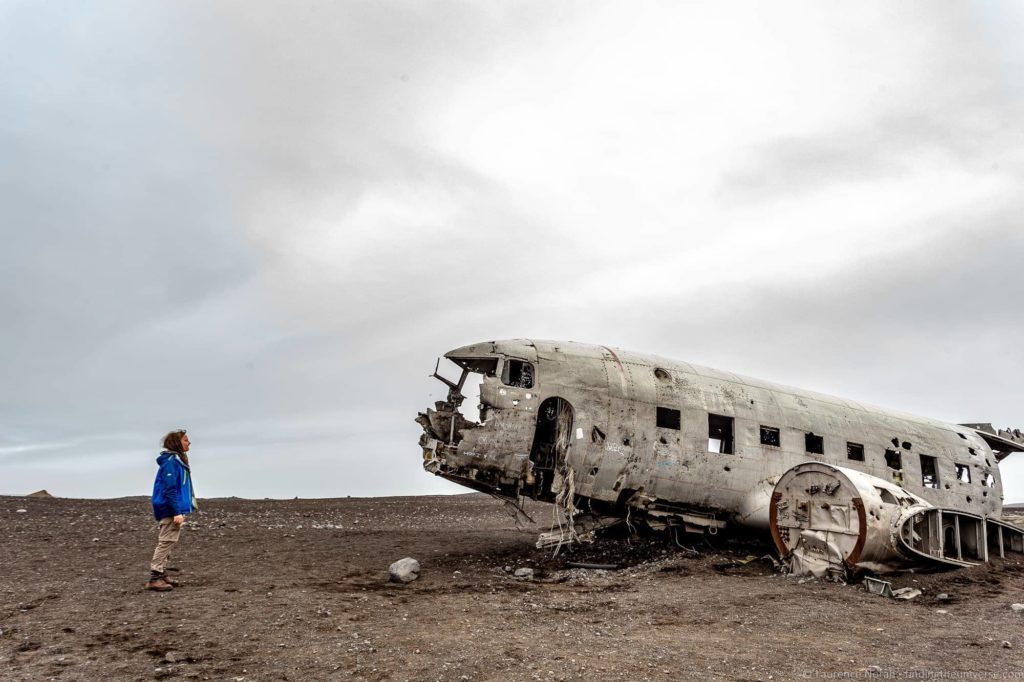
[550,443]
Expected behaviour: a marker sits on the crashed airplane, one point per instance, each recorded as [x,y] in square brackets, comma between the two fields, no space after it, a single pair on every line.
[841,487]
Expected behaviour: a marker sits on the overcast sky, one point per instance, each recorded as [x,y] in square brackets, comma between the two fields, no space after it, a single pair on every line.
[263,221]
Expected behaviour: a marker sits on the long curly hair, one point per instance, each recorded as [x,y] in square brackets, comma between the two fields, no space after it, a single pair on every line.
[172,442]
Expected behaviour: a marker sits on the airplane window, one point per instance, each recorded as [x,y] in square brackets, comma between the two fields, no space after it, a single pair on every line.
[963,473]
[667,418]
[487,366]
[814,444]
[518,374]
[929,472]
[770,436]
[989,480]
[893,460]
[855,451]
[720,434]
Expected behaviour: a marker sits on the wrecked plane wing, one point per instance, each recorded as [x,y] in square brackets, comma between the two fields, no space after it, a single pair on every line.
[604,433]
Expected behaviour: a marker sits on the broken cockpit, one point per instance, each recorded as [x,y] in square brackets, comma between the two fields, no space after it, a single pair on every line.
[493,452]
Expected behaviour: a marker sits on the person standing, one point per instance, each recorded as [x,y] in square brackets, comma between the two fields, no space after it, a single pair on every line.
[173,499]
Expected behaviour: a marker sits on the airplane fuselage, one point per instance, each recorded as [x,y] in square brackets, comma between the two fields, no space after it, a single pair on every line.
[669,436]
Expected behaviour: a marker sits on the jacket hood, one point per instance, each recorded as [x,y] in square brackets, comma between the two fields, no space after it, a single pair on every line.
[164,456]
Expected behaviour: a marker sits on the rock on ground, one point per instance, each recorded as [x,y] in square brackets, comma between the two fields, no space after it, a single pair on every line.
[404,570]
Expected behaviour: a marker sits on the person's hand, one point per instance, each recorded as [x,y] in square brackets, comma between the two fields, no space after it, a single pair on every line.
[178,520]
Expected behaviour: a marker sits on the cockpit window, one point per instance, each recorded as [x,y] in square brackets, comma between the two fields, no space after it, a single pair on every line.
[485,366]
[517,373]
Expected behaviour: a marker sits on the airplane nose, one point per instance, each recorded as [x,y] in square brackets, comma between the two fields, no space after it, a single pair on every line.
[475,350]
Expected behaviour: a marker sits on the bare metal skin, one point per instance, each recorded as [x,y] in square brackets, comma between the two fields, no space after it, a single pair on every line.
[687,446]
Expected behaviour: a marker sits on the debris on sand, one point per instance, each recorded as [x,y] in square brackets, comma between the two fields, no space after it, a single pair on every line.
[1017,607]
[592,566]
[404,570]
[876,586]
[524,573]
[906,593]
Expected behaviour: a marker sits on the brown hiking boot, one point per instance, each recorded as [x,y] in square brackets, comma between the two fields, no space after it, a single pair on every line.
[159,585]
[169,580]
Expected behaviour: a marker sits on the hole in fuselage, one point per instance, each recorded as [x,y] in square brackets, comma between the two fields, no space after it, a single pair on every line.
[550,443]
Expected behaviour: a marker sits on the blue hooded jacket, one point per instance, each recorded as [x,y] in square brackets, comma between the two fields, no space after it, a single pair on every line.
[172,489]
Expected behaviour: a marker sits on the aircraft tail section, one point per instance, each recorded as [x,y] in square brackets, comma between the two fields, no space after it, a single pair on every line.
[956,538]
[829,520]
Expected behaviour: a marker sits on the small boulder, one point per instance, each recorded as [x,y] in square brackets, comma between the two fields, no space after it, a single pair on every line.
[1017,607]
[942,596]
[404,570]
[524,573]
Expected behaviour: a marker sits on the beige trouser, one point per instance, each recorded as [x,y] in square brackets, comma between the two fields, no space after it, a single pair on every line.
[168,538]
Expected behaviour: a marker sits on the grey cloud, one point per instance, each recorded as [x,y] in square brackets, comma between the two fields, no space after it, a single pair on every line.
[958,110]
[934,330]
[159,158]
[887,148]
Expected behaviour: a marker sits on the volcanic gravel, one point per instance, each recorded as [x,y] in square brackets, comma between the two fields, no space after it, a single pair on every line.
[298,590]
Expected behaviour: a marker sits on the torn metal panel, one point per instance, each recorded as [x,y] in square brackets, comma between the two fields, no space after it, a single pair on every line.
[1003,441]
[876,586]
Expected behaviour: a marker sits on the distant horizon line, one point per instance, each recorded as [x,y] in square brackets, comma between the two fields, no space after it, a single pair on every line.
[50,496]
